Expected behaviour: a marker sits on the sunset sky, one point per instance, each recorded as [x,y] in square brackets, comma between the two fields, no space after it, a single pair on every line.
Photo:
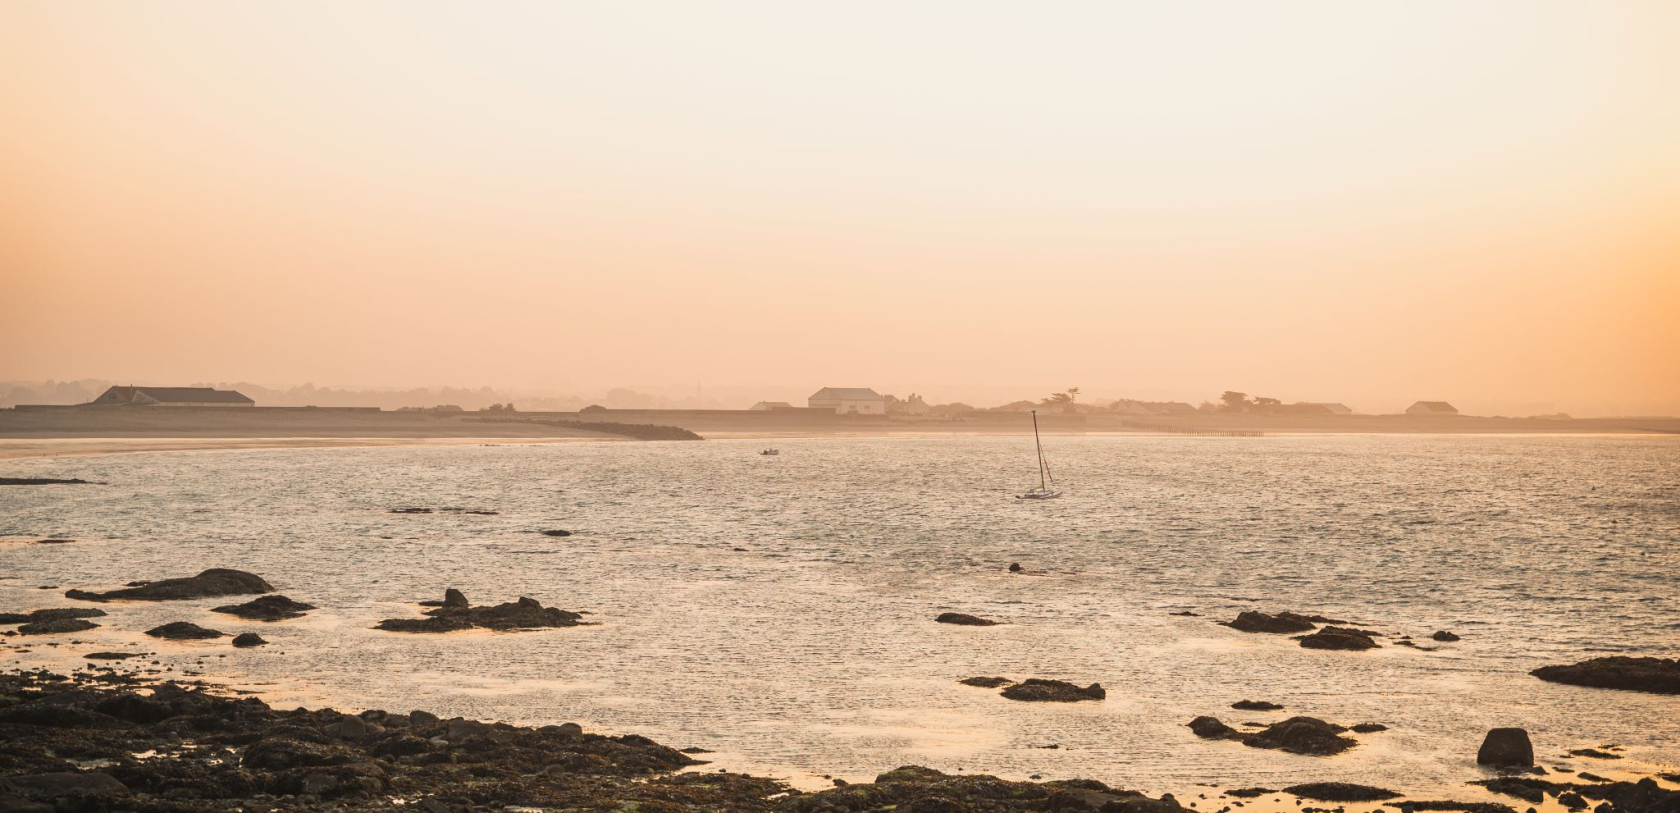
[1352,201]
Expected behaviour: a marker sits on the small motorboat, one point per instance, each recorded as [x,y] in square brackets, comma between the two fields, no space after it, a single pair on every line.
[771,452]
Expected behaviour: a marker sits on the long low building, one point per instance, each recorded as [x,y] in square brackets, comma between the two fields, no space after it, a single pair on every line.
[172,396]
[849,401]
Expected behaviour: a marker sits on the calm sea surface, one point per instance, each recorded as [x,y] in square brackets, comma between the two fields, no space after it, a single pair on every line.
[779,610]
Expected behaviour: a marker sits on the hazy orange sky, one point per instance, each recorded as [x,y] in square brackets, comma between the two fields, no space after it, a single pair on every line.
[1364,202]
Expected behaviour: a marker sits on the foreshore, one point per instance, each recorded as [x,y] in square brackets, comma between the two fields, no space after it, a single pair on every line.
[63,432]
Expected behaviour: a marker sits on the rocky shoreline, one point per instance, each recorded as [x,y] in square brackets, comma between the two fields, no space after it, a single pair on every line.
[103,739]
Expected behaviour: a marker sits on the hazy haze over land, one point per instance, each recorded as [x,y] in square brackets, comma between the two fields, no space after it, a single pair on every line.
[1367,203]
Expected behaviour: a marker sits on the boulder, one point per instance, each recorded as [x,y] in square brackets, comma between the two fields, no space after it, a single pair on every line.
[248,639]
[267,608]
[1014,567]
[1339,638]
[1654,675]
[1036,690]
[184,631]
[965,620]
[1443,635]
[208,584]
[1255,705]
[455,599]
[1210,728]
[1506,748]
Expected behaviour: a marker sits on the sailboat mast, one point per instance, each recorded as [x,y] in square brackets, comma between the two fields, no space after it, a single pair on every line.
[1040,444]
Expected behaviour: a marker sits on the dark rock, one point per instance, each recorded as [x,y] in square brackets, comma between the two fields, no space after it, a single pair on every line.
[1254,621]
[132,708]
[526,613]
[1339,792]
[63,786]
[986,682]
[1506,748]
[422,718]
[41,481]
[455,599]
[1528,790]
[1255,705]
[51,614]
[556,533]
[1572,800]
[410,511]
[1655,675]
[111,656]
[1369,728]
[1436,804]
[1443,635]
[184,631]
[1053,691]
[209,584]
[965,620]
[912,789]
[248,639]
[1302,735]
[1250,793]
[267,608]
[54,540]
[1210,728]
[1014,567]
[1590,777]
[56,625]
[1339,638]
[1590,753]
[1186,614]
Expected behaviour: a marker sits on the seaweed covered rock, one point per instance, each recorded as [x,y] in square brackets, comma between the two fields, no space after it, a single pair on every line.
[1038,690]
[1302,735]
[267,608]
[53,626]
[1339,638]
[1255,705]
[246,640]
[965,619]
[913,789]
[1210,728]
[524,614]
[1654,675]
[51,614]
[184,631]
[1340,792]
[209,584]
[986,682]
[1282,623]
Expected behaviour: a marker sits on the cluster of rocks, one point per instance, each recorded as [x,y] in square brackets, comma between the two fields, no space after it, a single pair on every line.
[455,613]
[1309,736]
[1334,635]
[913,789]
[1039,690]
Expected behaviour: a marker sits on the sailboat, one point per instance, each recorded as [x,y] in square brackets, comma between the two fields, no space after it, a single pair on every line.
[1046,483]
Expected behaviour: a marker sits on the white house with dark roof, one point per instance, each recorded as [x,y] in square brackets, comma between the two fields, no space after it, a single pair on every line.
[849,401]
[172,396]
